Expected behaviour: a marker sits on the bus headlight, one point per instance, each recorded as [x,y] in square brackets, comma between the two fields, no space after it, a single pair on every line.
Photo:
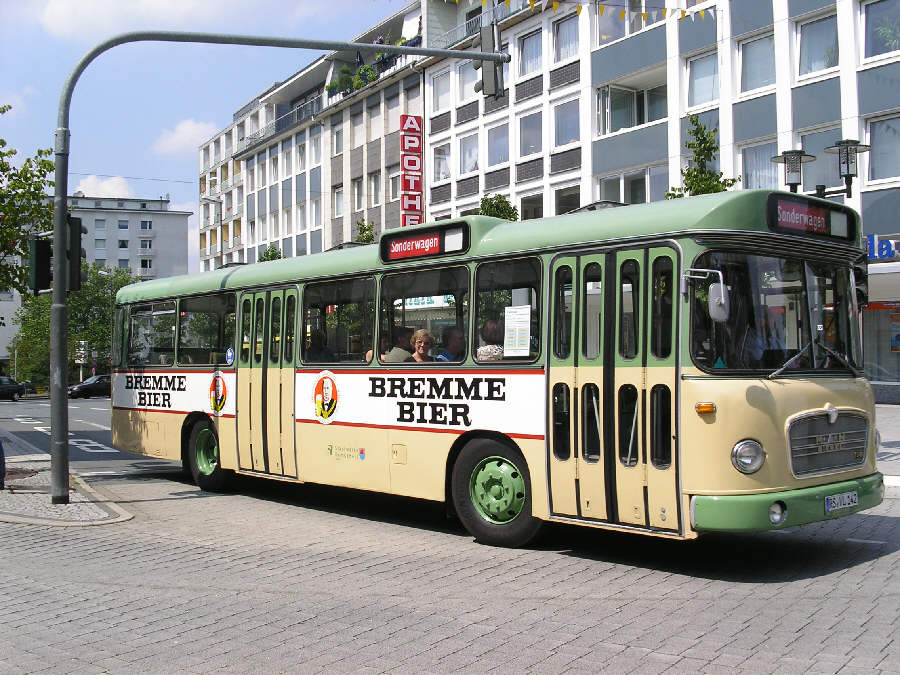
[777,513]
[748,456]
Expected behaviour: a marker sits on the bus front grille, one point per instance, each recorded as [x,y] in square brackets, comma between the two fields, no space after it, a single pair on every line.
[819,444]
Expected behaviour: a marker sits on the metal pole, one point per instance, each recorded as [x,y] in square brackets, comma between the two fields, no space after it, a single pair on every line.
[59,320]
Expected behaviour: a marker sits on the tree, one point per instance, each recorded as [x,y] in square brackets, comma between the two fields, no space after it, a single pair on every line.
[697,178]
[24,209]
[365,231]
[271,253]
[499,207]
[90,320]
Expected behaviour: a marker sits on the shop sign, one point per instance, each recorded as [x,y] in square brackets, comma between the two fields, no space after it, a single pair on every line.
[882,249]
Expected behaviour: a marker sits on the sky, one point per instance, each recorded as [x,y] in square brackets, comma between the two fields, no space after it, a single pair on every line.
[140,111]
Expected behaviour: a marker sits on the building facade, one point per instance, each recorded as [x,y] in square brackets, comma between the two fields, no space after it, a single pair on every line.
[595,106]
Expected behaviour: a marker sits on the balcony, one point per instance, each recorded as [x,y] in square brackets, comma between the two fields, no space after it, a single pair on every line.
[237,180]
[145,252]
[469,28]
[146,234]
[146,273]
[297,116]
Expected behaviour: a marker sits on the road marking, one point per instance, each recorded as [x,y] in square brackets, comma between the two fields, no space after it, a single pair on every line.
[892,481]
[87,445]
[101,409]
[99,426]
[867,541]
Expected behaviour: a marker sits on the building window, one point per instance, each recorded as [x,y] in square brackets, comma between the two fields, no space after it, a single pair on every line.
[566,123]
[98,204]
[375,188]
[315,211]
[565,38]
[358,198]
[822,171]
[442,162]
[99,223]
[468,76]
[101,262]
[440,85]
[273,162]
[123,263]
[376,128]
[301,217]
[395,187]
[884,159]
[146,225]
[301,156]
[468,154]
[99,244]
[261,169]
[530,54]
[498,144]
[123,243]
[532,207]
[818,45]
[393,114]
[703,79]
[757,63]
[567,199]
[635,187]
[146,244]
[359,132]
[146,264]
[882,27]
[288,163]
[315,150]
[337,201]
[530,134]
[757,169]
[123,224]
[337,136]
[620,108]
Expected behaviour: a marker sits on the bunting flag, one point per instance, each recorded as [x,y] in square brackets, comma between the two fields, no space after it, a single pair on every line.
[507,4]
[531,5]
[602,9]
[649,17]
[578,10]
[702,14]
[555,6]
[622,15]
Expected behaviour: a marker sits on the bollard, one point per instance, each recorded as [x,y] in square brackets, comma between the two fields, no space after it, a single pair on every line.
[2,467]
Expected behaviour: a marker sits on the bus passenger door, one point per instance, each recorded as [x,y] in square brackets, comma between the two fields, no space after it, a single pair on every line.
[288,376]
[251,412]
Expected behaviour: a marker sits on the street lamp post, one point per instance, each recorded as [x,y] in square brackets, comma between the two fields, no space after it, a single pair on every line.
[846,150]
[793,160]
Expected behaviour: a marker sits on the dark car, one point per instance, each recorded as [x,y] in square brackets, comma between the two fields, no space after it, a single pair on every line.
[11,389]
[29,386]
[98,385]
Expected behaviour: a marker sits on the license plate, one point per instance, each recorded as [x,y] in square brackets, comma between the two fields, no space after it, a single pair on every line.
[844,500]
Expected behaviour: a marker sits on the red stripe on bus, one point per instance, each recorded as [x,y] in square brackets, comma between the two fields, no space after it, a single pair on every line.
[533,437]
[173,412]
[412,370]
[180,371]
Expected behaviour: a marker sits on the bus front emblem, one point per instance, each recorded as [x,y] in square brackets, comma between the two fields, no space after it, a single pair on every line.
[325,396]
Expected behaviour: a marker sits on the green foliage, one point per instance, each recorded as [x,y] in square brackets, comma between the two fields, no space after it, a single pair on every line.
[347,81]
[367,74]
[888,31]
[697,178]
[90,319]
[499,207]
[271,253]
[365,232]
[24,208]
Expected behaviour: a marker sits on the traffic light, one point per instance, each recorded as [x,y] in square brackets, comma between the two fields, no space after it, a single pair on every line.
[491,82]
[39,272]
[75,252]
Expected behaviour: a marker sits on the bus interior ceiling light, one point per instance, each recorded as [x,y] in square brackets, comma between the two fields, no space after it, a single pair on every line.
[748,456]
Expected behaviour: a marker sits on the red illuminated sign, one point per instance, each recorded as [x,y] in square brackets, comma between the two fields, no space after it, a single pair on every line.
[794,215]
[410,170]
[416,246]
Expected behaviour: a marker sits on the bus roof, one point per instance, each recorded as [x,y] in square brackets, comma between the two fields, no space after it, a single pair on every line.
[738,210]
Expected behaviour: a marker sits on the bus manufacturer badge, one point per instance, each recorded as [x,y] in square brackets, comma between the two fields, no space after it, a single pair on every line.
[218,392]
[325,397]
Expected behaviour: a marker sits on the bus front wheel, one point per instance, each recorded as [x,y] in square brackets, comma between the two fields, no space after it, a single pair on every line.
[491,491]
[203,458]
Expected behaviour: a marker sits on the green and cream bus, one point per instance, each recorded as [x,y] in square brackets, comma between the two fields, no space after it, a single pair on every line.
[670,368]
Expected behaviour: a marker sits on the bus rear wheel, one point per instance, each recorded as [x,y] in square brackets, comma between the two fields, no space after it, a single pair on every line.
[203,458]
[491,491]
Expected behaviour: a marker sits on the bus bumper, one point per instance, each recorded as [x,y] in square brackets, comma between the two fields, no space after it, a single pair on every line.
[751,513]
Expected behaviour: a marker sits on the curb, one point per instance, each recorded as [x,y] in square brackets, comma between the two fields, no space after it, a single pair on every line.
[92,495]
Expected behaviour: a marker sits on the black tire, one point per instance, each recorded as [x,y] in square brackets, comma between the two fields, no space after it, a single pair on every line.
[15,396]
[514,525]
[203,458]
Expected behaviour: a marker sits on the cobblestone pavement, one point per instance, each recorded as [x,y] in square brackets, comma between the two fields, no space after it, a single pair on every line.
[274,578]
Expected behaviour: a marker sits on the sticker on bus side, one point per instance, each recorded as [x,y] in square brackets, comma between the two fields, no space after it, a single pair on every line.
[504,401]
[180,391]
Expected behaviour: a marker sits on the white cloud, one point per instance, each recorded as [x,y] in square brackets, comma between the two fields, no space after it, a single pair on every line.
[18,101]
[184,139]
[94,186]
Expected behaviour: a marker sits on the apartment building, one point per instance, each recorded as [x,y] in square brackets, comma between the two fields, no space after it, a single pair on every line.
[595,107]
[142,235]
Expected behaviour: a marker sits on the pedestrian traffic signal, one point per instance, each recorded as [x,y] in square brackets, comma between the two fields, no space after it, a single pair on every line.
[491,82]
[39,271]
[75,252]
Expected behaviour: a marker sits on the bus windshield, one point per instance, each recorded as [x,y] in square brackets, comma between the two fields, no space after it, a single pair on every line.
[785,315]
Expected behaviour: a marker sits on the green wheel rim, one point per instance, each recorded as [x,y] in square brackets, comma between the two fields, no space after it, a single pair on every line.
[206,451]
[497,490]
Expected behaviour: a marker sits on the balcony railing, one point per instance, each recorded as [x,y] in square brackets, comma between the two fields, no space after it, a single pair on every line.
[144,273]
[297,116]
[237,179]
[473,25]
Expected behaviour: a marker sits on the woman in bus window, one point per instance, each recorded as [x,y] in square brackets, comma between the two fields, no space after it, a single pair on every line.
[492,337]
[421,343]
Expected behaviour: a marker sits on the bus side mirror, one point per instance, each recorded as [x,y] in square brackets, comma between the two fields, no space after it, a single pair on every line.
[719,305]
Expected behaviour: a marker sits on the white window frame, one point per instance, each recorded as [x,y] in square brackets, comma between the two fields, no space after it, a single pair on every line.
[358,195]
[620,177]
[739,67]
[435,104]
[374,188]
[301,156]
[864,4]
[358,130]
[374,122]
[798,45]
[742,171]
[519,120]
[522,73]
[464,92]
[889,180]
[337,201]
[394,181]
[315,150]
[467,137]
[434,176]
[710,103]
[504,123]
[555,107]
[337,139]
[556,44]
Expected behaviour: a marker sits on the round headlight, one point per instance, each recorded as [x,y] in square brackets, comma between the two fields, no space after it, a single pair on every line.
[748,456]
[777,513]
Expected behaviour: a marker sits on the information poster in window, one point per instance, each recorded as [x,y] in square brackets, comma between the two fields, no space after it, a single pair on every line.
[517,331]
[895,332]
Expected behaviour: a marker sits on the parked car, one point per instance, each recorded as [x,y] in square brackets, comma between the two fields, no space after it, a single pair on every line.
[11,389]
[29,386]
[98,385]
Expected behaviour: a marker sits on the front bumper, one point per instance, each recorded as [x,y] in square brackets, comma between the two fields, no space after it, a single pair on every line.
[750,513]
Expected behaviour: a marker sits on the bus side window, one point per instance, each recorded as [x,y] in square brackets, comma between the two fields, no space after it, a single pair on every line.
[290,320]
[508,314]
[629,302]
[205,329]
[152,335]
[246,319]
[661,323]
[339,318]
[592,304]
[562,313]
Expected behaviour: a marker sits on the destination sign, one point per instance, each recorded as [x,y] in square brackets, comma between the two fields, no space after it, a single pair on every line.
[423,244]
[801,215]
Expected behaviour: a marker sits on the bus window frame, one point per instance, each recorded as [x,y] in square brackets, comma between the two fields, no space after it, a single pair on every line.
[301,334]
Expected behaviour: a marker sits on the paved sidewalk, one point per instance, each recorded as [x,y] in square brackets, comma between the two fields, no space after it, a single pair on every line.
[26,498]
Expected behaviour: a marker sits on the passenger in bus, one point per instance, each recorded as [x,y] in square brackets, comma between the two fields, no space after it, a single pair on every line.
[384,346]
[402,345]
[454,345]
[422,343]
[318,352]
[492,341]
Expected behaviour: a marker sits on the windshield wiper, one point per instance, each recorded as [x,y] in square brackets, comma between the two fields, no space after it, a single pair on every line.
[787,364]
[840,357]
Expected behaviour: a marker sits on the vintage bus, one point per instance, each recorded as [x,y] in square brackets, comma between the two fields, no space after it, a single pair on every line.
[670,369]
